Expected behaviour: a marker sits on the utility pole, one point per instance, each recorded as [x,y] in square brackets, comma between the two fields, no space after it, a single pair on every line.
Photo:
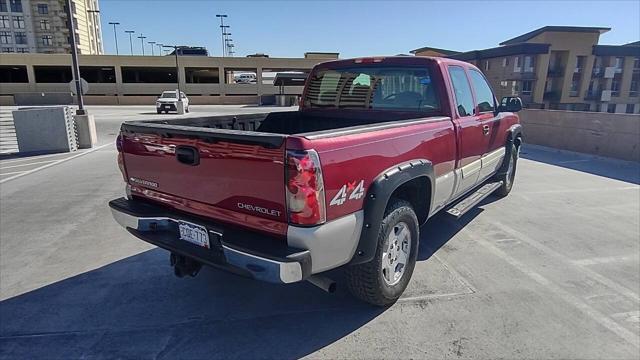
[130,32]
[115,35]
[141,37]
[152,43]
[74,59]
[222,27]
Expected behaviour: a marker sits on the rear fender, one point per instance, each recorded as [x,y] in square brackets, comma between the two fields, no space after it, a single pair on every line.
[378,196]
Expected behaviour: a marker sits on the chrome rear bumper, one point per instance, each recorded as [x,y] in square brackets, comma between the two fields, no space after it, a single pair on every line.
[157,226]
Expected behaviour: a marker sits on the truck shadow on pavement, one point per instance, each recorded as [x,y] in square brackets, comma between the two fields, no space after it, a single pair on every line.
[137,308]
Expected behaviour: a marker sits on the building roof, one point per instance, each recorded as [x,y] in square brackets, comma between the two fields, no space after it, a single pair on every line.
[635,43]
[534,33]
[441,51]
[516,49]
[617,50]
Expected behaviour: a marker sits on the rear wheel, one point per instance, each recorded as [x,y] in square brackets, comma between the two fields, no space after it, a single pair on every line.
[159,111]
[382,280]
[509,176]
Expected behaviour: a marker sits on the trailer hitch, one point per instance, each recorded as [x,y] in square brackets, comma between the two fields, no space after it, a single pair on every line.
[183,265]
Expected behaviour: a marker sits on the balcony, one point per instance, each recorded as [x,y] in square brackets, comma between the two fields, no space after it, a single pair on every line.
[555,71]
[551,95]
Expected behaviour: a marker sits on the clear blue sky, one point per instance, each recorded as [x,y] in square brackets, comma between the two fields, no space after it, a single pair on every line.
[356,28]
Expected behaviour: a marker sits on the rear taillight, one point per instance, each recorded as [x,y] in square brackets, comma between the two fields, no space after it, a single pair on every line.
[119,141]
[305,188]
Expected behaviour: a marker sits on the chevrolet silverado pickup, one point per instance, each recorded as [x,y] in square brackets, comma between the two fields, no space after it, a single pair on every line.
[378,146]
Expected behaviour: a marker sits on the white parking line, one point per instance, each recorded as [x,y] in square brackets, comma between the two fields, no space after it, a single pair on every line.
[558,256]
[9,173]
[594,314]
[605,260]
[27,164]
[37,157]
[53,163]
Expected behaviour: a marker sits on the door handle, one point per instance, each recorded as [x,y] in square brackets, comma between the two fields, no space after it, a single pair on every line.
[485,129]
[188,155]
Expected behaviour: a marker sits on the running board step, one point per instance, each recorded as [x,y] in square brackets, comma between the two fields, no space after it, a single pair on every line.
[473,199]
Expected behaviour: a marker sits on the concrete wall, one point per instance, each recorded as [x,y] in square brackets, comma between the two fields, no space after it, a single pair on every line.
[603,134]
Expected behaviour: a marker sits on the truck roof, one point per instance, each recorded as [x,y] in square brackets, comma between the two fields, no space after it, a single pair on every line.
[390,60]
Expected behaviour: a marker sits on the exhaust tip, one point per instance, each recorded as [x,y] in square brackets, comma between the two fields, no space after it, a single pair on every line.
[323,283]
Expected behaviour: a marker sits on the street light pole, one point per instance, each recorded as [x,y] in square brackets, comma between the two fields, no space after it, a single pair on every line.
[152,43]
[141,37]
[222,16]
[130,32]
[159,48]
[115,35]
[224,31]
[74,59]
[175,50]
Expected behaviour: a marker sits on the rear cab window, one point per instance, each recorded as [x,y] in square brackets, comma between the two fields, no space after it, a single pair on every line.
[373,87]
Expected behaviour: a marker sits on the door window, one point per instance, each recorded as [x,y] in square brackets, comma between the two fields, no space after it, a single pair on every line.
[485,98]
[462,90]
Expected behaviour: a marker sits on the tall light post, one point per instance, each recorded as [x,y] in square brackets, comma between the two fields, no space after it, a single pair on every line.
[222,16]
[130,32]
[224,31]
[141,37]
[95,31]
[175,50]
[159,48]
[115,35]
[74,59]
[152,43]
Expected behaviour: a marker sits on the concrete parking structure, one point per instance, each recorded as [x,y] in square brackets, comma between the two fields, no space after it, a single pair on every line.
[553,270]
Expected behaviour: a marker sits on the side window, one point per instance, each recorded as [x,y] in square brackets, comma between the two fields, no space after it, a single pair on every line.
[486,100]
[464,97]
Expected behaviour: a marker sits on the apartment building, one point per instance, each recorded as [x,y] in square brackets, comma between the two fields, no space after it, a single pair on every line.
[40,26]
[563,68]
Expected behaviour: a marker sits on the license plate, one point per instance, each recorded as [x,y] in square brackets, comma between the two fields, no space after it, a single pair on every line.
[194,234]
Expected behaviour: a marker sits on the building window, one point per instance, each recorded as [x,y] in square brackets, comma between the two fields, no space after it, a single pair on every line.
[580,61]
[3,6]
[527,87]
[18,22]
[636,64]
[528,63]
[5,37]
[22,50]
[630,108]
[575,87]
[4,21]
[21,38]
[45,25]
[43,9]
[618,64]
[16,6]
[635,85]
[516,64]
[611,108]
[503,84]
[615,87]
[7,50]
[47,40]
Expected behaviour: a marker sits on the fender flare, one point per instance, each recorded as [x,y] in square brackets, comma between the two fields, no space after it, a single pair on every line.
[378,195]
[514,132]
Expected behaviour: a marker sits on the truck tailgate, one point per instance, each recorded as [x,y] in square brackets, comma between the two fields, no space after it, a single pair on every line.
[234,176]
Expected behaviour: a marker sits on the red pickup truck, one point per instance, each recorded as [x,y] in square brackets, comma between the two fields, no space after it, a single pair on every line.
[378,146]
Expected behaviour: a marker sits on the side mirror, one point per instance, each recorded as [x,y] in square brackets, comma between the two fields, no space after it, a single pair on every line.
[510,104]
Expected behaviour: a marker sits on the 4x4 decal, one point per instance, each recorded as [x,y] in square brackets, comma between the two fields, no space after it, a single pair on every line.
[356,193]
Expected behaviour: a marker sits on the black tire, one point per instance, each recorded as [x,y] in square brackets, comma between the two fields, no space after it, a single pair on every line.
[187,109]
[166,111]
[159,111]
[509,176]
[366,281]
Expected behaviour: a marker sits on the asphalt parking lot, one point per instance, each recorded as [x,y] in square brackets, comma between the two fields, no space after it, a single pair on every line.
[551,271]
